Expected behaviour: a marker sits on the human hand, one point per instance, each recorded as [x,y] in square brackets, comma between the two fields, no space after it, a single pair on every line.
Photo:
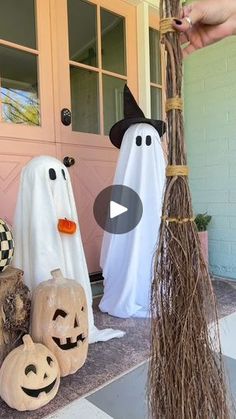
[205,22]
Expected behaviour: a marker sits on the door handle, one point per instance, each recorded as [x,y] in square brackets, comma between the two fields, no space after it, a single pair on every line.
[68,161]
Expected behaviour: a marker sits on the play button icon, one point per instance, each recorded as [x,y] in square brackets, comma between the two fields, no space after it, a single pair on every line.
[118,209]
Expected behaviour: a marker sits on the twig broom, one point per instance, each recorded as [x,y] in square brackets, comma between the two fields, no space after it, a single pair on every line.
[186,379]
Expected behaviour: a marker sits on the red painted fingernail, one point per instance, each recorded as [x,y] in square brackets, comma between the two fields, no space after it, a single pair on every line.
[177,21]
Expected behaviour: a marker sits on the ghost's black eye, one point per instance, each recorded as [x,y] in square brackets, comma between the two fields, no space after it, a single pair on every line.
[52,174]
[49,360]
[60,313]
[30,368]
[148,140]
[139,140]
[63,172]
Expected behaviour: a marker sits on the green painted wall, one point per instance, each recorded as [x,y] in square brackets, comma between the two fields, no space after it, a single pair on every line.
[210,121]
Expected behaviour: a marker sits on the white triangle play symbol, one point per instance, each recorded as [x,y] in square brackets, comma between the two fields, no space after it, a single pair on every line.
[116,209]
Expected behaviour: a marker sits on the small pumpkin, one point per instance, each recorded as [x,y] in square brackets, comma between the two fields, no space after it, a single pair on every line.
[29,376]
[66,226]
[6,245]
[59,319]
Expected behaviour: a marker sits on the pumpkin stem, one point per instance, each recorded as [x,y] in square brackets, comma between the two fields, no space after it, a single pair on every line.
[28,343]
[57,274]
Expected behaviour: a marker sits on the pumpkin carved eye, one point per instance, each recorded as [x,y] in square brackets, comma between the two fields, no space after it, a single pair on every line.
[30,368]
[52,174]
[58,313]
[63,173]
[49,360]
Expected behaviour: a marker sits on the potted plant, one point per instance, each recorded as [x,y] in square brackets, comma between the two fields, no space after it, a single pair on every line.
[202,221]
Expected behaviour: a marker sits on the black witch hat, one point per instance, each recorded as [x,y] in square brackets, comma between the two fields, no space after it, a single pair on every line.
[132,115]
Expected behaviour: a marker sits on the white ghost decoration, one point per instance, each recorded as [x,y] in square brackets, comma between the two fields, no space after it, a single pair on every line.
[127,259]
[45,196]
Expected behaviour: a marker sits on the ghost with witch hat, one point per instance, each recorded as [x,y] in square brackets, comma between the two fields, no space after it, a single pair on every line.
[41,245]
[127,259]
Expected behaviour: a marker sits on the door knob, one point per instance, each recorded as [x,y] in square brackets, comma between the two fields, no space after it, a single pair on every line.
[68,161]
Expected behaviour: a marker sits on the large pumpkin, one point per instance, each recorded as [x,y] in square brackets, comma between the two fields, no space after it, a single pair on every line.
[60,320]
[6,245]
[29,376]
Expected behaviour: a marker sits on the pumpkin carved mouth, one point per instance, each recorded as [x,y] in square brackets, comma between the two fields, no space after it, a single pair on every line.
[36,392]
[69,344]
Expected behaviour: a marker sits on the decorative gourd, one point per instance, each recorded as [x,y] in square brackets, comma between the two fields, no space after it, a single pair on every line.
[6,245]
[66,226]
[29,376]
[59,319]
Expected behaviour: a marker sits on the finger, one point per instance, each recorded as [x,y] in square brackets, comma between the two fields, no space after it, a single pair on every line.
[184,38]
[187,10]
[181,14]
[189,49]
[194,16]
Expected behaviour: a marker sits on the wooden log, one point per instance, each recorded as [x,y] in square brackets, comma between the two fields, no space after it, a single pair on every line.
[14,310]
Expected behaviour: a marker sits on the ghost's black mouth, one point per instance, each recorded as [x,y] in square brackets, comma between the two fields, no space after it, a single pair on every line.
[69,344]
[35,392]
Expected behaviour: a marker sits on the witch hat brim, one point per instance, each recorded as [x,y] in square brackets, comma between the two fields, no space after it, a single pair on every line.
[118,130]
[133,115]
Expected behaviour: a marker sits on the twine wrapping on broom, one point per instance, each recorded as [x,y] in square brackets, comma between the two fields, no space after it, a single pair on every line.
[174,103]
[186,379]
[177,170]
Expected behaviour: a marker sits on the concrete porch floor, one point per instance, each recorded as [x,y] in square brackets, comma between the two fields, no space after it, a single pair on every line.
[125,397]
[112,384]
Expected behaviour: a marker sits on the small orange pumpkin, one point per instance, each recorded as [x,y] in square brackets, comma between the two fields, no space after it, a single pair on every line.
[66,226]
[29,376]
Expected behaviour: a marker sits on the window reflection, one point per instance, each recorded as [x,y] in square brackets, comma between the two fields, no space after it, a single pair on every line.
[17,22]
[84,100]
[156,103]
[19,87]
[82,24]
[113,42]
[155,56]
[113,101]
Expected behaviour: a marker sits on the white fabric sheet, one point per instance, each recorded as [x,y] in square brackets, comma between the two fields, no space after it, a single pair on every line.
[39,246]
[127,259]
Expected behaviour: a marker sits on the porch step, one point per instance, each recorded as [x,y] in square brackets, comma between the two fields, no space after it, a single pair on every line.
[97,288]
[96,280]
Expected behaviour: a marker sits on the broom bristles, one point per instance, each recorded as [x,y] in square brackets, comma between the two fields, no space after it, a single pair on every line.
[186,378]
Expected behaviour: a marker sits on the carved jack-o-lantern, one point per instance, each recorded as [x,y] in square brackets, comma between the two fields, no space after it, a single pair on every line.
[29,376]
[60,321]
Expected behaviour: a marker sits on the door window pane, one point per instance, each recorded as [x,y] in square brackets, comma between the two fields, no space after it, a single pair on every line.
[84,100]
[156,103]
[82,24]
[19,87]
[155,56]
[17,22]
[113,42]
[113,101]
